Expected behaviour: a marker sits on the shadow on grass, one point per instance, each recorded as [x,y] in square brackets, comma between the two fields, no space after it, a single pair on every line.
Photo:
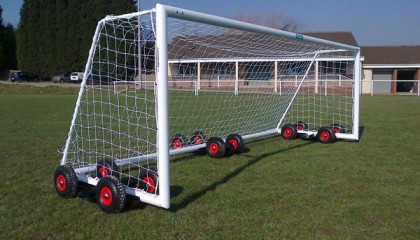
[361,130]
[193,197]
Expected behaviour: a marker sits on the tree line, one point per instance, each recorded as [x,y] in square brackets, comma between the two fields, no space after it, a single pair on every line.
[54,36]
[7,45]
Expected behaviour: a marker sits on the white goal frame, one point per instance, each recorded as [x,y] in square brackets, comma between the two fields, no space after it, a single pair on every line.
[164,152]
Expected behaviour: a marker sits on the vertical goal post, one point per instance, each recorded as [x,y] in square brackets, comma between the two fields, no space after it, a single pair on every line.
[170,81]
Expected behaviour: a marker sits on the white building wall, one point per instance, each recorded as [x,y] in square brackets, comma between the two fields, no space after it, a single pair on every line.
[367,81]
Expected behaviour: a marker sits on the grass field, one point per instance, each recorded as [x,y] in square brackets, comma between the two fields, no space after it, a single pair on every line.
[276,189]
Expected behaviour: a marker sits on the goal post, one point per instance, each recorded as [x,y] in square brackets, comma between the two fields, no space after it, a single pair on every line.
[162,104]
[170,81]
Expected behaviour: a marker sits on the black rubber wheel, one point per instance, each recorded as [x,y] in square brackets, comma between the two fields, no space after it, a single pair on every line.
[326,135]
[110,195]
[198,137]
[301,126]
[235,143]
[65,181]
[215,147]
[179,141]
[149,180]
[337,128]
[289,132]
[107,167]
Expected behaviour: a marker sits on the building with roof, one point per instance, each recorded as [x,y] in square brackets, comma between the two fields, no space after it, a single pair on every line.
[391,69]
[231,56]
[386,69]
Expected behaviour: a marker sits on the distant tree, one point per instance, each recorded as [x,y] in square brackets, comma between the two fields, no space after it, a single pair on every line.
[54,36]
[2,55]
[49,28]
[28,37]
[7,45]
[63,56]
[273,19]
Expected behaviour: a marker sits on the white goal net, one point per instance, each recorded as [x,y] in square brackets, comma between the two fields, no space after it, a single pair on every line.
[163,82]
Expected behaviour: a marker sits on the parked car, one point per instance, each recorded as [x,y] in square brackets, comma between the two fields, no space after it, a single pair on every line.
[22,76]
[61,78]
[76,77]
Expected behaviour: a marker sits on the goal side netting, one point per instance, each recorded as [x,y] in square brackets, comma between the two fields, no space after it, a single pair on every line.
[162,82]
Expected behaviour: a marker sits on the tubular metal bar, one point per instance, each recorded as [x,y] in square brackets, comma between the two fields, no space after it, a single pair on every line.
[261,134]
[162,119]
[138,159]
[225,22]
[145,197]
[356,96]
[86,179]
[153,156]
[245,60]
[345,136]
[129,15]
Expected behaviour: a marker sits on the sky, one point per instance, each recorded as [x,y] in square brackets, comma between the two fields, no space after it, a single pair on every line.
[372,22]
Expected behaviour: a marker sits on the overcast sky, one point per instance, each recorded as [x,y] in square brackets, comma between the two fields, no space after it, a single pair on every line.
[373,22]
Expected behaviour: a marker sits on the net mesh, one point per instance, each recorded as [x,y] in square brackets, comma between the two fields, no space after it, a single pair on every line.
[221,81]
[326,99]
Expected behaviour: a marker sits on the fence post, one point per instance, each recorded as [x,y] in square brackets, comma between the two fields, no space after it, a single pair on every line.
[326,87]
[316,76]
[236,78]
[198,75]
[418,88]
[371,87]
[275,76]
[196,87]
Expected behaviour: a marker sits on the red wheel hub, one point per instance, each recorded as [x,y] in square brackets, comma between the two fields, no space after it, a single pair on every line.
[336,130]
[214,148]
[234,143]
[325,136]
[61,183]
[106,196]
[150,183]
[103,171]
[198,140]
[299,127]
[177,144]
[288,132]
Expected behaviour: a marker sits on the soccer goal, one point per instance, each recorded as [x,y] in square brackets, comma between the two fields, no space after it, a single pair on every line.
[170,81]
